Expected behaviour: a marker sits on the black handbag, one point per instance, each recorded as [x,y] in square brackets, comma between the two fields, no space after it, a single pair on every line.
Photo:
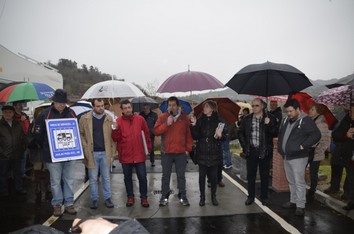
[193,155]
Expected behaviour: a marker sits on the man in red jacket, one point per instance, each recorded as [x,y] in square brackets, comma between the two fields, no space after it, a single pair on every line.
[176,143]
[130,131]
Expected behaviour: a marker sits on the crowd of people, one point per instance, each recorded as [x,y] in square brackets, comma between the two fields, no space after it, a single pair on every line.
[302,142]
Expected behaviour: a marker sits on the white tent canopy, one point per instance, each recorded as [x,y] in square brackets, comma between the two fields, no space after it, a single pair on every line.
[14,68]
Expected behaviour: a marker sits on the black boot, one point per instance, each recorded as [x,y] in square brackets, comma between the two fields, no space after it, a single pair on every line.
[213,200]
[202,200]
[310,197]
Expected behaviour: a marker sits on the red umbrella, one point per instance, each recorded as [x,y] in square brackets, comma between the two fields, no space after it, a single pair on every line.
[227,109]
[306,102]
[189,81]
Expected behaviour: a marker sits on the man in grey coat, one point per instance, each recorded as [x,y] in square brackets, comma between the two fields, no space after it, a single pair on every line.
[298,133]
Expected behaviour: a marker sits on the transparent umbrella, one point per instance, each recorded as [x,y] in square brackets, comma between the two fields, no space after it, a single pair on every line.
[112,89]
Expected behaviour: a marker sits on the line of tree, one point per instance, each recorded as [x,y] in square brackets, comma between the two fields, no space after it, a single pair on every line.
[78,79]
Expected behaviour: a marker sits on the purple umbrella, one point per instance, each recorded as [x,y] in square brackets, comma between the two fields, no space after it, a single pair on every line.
[189,81]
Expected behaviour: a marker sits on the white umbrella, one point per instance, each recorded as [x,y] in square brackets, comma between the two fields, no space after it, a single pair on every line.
[112,89]
[81,107]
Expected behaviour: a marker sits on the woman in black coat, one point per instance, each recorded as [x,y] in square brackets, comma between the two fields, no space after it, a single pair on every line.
[208,134]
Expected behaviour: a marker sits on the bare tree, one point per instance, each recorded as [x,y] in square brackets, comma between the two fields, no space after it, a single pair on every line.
[151,87]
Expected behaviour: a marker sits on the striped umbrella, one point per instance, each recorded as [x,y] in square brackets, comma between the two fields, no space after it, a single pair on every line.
[29,91]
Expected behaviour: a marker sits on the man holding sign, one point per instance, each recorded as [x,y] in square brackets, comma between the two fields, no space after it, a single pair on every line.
[127,132]
[63,171]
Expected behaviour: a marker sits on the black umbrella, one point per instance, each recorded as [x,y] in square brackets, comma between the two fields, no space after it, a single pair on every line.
[268,79]
[139,102]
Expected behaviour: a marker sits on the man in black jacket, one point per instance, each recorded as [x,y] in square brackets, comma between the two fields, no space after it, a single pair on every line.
[276,111]
[297,134]
[59,171]
[344,134]
[12,147]
[150,118]
[256,134]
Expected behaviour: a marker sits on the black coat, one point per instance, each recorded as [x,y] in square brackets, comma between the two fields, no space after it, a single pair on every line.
[340,137]
[267,132]
[209,152]
[12,140]
[278,115]
[40,130]
[150,119]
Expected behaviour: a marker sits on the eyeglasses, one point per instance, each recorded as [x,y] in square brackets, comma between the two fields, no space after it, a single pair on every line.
[255,105]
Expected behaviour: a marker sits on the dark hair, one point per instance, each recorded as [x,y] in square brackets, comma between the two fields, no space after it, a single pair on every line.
[292,102]
[124,102]
[173,99]
[95,99]
[246,109]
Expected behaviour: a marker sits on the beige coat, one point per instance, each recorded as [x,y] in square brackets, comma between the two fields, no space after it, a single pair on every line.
[86,134]
[325,140]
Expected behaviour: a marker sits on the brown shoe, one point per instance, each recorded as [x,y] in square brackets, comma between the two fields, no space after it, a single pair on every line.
[57,210]
[221,184]
[70,210]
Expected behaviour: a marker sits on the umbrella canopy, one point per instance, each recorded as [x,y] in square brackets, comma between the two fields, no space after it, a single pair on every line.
[29,91]
[227,109]
[336,96]
[348,80]
[139,102]
[276,98]
[186,106]
[81,107]
[112,89]
[306,102]
[189,81]
[268,79]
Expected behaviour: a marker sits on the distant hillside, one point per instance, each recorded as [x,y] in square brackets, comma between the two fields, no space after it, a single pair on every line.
[315,90]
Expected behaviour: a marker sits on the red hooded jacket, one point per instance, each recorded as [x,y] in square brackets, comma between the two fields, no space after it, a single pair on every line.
[129,139]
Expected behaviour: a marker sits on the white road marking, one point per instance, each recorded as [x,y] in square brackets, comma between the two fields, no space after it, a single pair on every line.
[288,227]
[52,218]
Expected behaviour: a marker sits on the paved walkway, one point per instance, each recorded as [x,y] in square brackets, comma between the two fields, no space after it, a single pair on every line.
[231,216]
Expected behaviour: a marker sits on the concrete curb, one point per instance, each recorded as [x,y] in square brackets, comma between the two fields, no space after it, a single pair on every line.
[323,198]
[333,203]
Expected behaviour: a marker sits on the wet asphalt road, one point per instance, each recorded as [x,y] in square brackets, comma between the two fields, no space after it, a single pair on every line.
[21,211]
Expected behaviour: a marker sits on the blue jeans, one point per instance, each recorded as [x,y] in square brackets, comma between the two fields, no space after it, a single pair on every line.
[101,165]
[140,169]
[225,146]
[62,171]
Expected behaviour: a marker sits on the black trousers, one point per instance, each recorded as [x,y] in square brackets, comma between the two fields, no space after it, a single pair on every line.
[253,162]
[336,177]
[213,178]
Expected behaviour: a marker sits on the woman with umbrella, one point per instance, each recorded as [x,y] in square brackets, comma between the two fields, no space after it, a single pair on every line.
[317,153]
[208,130]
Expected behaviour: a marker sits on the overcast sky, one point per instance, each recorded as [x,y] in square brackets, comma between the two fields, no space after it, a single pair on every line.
[149,40]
